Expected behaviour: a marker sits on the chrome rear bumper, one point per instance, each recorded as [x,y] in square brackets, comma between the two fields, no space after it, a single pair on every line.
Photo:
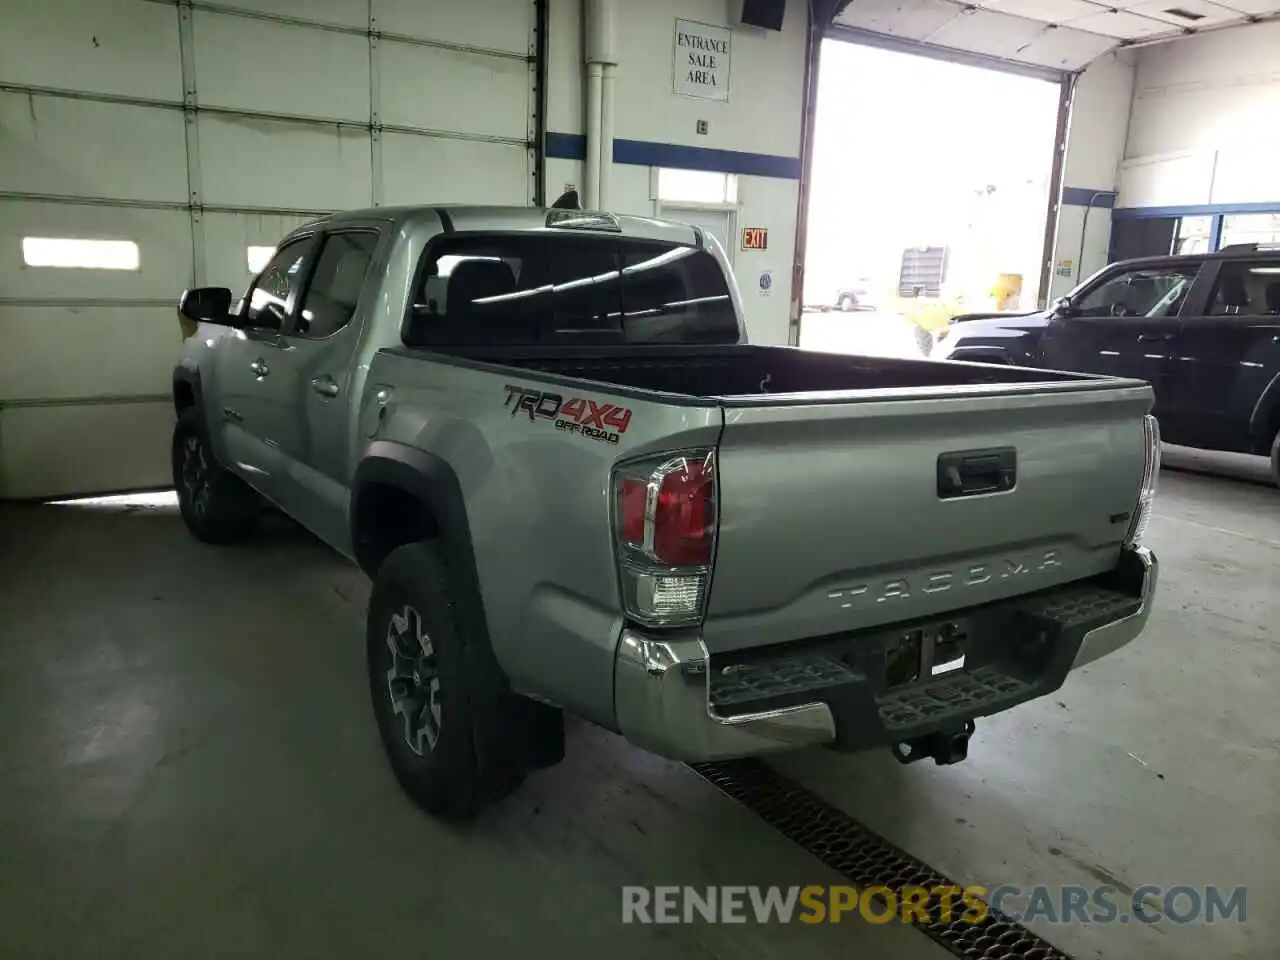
[1109,638]
[663,702]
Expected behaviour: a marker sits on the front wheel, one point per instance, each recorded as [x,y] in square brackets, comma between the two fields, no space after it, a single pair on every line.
[1275,459]
[217,506]
[847,304]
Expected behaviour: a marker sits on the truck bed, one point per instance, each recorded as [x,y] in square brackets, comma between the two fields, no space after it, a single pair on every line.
[744,370]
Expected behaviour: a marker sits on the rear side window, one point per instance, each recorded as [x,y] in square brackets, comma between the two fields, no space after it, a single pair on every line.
[1251,289]
[536,289]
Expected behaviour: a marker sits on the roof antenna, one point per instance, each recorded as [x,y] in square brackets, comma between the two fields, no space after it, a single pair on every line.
[567,201]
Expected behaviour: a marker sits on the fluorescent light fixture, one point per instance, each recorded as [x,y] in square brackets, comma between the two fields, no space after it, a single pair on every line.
[258,258]
[83,254]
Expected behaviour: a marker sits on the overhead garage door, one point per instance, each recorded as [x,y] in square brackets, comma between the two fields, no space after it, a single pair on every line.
[187,135]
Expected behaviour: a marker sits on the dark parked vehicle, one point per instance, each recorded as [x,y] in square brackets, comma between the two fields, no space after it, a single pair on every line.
[1204,331]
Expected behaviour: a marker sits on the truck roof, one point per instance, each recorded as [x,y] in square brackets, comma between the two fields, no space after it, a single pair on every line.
[474,217]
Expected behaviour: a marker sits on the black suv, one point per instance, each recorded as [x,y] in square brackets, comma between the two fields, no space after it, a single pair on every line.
[1203,330]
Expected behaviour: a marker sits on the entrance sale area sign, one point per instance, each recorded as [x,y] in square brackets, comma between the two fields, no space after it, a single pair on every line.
[701,54]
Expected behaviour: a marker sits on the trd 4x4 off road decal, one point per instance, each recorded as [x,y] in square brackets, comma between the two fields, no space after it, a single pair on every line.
[599,421]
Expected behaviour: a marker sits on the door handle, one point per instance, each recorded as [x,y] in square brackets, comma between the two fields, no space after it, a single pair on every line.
[260,367]
[1151,337]
[325,385]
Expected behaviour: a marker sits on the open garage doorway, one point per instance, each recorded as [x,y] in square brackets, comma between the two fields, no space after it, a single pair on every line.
[929,195]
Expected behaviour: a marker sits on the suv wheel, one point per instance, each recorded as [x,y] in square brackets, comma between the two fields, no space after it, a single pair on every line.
[217,506]
[428,699]
[1275,459]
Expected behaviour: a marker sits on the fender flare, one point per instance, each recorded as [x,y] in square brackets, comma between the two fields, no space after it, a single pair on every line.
[186,376]
[432,481]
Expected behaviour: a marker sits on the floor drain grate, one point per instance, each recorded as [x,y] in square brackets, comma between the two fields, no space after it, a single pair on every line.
[868,860]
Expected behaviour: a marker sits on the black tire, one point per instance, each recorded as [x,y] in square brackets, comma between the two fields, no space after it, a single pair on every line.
[217,506]
[435,694]
[1275,459]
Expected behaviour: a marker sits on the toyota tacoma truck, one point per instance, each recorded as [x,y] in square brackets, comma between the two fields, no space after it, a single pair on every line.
[577,488]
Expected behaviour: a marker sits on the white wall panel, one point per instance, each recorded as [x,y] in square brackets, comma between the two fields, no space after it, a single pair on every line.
[270,163]
[163,238]
[278,68]
[77,352]
[227,237]
[493,24]
[434,170]
[1173,179]
[342,13]
[54,145]
[121,47]
[434,89]
[59,451]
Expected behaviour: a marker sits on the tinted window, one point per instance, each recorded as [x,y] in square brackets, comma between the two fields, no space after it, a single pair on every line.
[331,297]
[1246,288]
[1139,293]
[528,289]
[276,286]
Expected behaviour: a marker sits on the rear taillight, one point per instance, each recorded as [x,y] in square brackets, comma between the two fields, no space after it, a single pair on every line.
[666,524]
[1150,473]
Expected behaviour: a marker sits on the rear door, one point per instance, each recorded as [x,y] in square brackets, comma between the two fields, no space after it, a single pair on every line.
[1123,326]
[1226,355]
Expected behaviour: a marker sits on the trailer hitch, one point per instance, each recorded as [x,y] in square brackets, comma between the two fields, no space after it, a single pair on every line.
[945,746]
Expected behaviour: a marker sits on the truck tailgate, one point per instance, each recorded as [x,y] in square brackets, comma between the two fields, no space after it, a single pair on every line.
[834,515]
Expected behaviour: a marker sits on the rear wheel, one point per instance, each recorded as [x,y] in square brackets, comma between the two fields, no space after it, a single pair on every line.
[847,303]
[217,506]
[430,693]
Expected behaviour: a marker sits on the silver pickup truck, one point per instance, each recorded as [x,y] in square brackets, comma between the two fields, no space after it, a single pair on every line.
[576,487]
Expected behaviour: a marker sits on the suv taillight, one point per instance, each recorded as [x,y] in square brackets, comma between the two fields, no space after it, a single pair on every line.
[665,511]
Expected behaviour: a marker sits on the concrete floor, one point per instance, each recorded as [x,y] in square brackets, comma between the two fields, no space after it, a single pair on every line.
[188,768]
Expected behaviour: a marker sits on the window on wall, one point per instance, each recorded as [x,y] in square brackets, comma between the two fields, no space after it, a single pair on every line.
[1194,235]
[697,186]
[1250,228]
[77,253]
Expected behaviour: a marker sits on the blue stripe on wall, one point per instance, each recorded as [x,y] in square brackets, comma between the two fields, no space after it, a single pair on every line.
[645,153]
[1196,210]
[1086,197]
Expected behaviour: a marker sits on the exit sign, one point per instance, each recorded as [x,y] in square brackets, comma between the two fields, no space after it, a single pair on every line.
[755,238]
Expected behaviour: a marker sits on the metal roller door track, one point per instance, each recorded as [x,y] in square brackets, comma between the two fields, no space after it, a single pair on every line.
[867,860]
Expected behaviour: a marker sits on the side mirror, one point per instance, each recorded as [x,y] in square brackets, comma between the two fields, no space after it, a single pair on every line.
[206,305]
[1064,307]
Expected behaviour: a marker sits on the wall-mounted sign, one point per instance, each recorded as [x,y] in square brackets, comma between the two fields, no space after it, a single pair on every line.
[700,54]
[755,238]
[766,282]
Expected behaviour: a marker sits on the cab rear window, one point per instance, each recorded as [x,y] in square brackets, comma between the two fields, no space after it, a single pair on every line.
[539,289]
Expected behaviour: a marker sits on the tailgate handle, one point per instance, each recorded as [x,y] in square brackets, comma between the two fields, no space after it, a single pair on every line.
[968,473]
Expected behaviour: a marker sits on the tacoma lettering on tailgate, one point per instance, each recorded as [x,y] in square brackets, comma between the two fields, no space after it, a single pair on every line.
[976,575]
[599,421]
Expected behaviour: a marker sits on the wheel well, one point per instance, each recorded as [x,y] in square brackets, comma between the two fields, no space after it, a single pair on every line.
[184,395]
[1268,435]
[387,517]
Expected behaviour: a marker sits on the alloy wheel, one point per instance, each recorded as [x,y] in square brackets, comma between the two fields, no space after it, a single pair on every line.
[413,680]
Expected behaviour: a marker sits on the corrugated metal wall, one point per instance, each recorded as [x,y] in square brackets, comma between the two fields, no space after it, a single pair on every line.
[198,130]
